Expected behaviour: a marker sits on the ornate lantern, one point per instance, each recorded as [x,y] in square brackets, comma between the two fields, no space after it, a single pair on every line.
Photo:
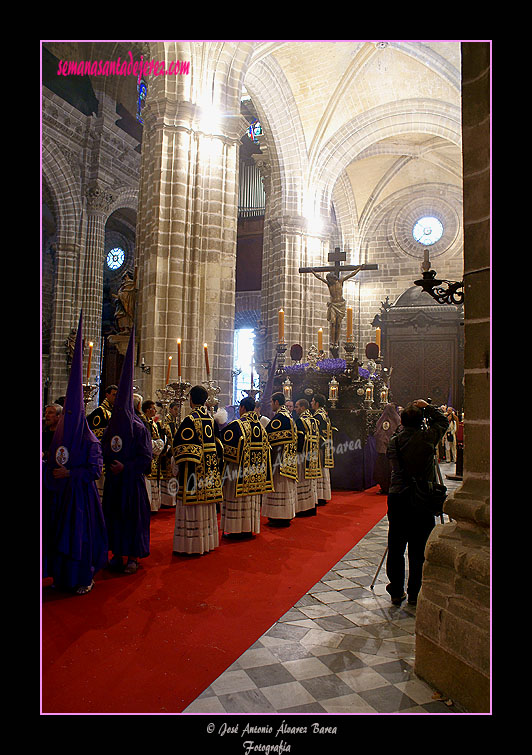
[287,389]
[333,391]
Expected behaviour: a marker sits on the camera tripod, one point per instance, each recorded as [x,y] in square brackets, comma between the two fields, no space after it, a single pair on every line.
[438,473]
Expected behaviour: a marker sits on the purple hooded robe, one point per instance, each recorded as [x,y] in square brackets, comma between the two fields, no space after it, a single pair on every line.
[386,425]
[126,505]
[74,533]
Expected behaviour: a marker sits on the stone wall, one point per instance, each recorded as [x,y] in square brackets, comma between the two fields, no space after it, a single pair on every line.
[453,612]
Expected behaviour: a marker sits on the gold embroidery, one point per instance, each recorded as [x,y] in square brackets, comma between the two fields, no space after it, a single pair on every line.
[189,433]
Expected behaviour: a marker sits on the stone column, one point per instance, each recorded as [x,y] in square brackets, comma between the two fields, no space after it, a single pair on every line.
[65,305]
[288,245]
[453,612]
[99,200]
[187,227]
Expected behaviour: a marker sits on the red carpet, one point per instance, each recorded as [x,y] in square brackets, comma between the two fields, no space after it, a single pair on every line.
[151,642]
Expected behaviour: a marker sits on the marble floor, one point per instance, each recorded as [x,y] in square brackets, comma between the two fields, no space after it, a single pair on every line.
[342,648]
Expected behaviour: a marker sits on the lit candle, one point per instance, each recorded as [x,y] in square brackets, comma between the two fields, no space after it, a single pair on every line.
[89,362]
[378,338]
[178,357]
[349,323]
[320,339]
[281,326]
[168,370]
[207,360]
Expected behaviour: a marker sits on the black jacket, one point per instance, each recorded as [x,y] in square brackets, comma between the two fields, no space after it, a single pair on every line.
[414,456]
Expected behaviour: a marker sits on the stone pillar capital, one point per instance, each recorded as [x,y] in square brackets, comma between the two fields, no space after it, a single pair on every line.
[99,198]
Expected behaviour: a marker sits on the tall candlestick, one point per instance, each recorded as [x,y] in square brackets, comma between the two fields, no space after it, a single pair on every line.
[378,338]
[320,339]
[178,357]
[281,326]
[349,322]
[168,370]
[207,360]
[251,386]
[89,362]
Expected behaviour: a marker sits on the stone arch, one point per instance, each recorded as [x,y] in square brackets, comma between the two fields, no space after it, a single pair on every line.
[405,117]
[273,98]
[126,198]
[63,188]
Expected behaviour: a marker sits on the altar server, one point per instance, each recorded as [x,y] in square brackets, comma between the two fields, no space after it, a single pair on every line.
[198,453]
[309,466]
[323,483]
[279,505]
[247,471]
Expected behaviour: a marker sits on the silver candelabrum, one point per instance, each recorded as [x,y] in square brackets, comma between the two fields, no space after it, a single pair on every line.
[89,392]
[349,347]
[175,392]
[281,347]
[213,391]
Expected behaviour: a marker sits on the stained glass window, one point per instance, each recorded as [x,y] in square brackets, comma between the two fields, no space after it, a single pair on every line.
[141,97]
[115,258]
[255,130]
[427,230]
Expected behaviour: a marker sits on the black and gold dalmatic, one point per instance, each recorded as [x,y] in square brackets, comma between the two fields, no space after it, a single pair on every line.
[245,444]
[156,433]
[282,437]
[169,427]
[198,453]
[99,418]
[326,436]
[308,444]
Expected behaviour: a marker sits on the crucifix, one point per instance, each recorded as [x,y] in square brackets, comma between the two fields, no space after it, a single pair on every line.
[335,282]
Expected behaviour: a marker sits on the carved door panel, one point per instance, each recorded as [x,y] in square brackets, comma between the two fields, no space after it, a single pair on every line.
[422,368]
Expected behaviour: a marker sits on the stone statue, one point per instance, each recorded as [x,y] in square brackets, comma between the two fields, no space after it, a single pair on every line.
[336,304]
[125,302]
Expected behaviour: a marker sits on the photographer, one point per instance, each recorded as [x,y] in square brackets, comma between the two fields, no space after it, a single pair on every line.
[411,451]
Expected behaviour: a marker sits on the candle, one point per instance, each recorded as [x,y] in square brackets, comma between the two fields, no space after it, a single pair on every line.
[178,357]
[281,326]
[320,339]
[168,370]
[207,360]
[89,362]
[252,372]
[378,338]
[349,323]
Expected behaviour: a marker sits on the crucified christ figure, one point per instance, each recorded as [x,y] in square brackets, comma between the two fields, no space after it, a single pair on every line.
[336,304]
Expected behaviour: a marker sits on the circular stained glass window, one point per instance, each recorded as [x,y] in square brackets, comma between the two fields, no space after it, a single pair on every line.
[427,231]
[115,258]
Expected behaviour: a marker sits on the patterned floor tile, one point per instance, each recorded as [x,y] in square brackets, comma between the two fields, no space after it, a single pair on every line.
[232,681]
[323,687]
[342,648]
[249,701]
[283,696]
[352,703]
[307,668]
[267,676]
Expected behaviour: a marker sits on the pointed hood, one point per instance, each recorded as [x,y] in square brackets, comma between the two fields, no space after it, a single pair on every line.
[72,432]
[386,425]
[119,434]
[266,398]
